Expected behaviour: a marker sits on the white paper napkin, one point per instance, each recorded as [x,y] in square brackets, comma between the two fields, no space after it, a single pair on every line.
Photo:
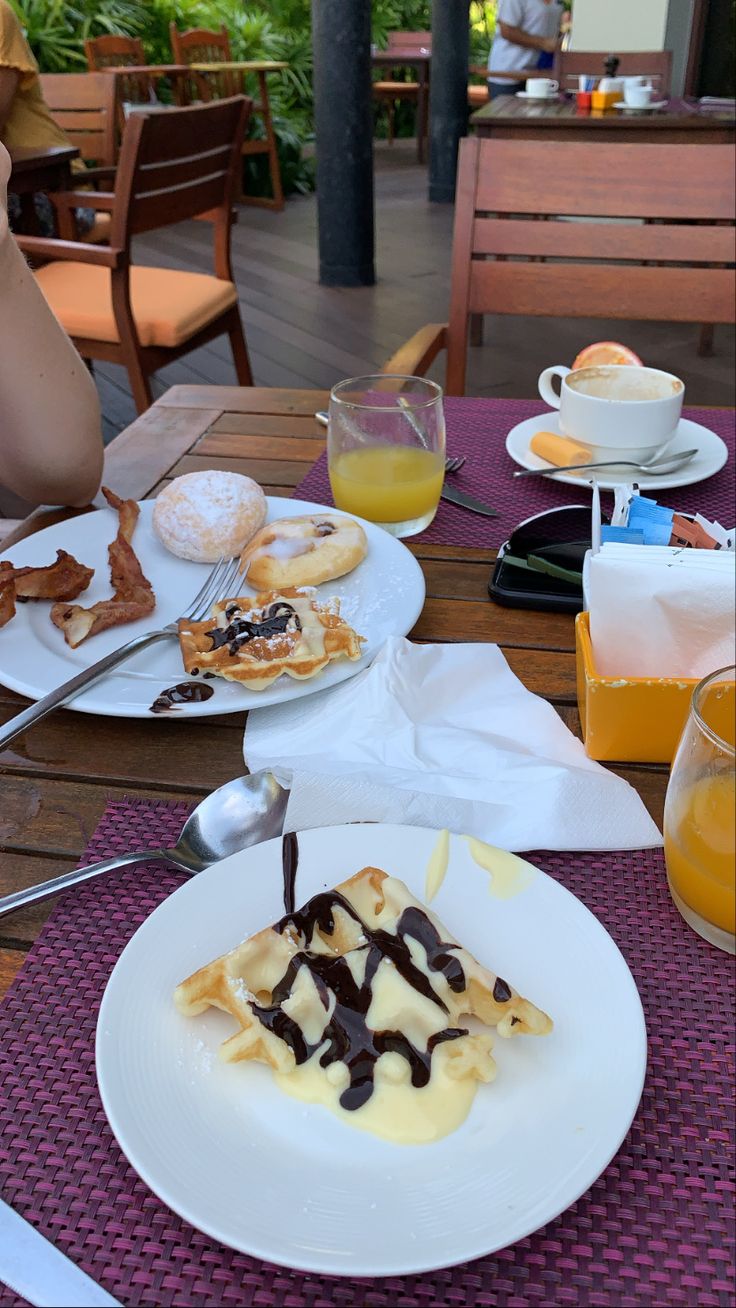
[445,736]
[660,611]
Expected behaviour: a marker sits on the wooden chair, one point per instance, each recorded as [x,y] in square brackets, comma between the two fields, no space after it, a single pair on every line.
[105,52]
[85,106]
[390,90]
[200,45]
[172,166]
[632,63]
[590,269]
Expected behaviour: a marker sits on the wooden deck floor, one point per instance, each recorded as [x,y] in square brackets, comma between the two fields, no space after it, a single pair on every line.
[303,334]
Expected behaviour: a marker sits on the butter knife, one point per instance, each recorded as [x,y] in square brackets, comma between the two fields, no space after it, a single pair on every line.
[467,502]
[40,1273]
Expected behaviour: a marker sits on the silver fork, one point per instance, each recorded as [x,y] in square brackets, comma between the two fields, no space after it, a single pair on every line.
[219,581]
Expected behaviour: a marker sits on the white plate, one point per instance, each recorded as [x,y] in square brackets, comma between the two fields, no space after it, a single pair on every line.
[291,1183]
[639,108]
[711,456]
[538,99]
[382,597]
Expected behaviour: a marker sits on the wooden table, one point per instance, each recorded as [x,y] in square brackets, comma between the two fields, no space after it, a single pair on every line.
[421,60]
[560,120]
[57,779]
[39,168]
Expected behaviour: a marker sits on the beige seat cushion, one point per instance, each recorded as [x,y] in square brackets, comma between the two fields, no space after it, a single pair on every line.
[168,306]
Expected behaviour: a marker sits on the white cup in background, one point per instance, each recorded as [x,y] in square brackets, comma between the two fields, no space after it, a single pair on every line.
[542,87]
[621,412]
[638,95]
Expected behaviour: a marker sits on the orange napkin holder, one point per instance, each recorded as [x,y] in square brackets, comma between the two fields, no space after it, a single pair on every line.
[631,719]
[605,99]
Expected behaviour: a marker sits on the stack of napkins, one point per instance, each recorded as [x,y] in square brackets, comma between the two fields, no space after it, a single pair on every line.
[444,736]
[660,611]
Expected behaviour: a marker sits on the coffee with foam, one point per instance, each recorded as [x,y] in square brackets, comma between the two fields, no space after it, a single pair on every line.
[624,385]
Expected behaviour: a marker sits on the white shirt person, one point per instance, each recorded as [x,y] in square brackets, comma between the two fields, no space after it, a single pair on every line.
[524,30]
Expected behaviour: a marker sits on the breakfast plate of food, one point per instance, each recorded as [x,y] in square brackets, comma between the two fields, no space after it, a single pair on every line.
[320,594]
[370,1050]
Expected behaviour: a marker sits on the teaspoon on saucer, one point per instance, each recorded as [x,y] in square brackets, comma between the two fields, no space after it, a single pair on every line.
[655,467]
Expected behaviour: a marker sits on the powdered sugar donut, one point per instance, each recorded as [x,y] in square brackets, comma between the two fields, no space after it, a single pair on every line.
[304,551]
[204,515]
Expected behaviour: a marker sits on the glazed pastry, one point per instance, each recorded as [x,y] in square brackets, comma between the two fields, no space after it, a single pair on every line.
[361,991]
[208,515]
[304,551]
[254,639]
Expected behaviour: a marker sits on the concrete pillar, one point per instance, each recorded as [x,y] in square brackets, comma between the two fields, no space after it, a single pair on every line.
[448,94]
[341,36]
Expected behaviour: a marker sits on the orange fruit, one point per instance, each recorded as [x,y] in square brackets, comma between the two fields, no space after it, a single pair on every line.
[602,352]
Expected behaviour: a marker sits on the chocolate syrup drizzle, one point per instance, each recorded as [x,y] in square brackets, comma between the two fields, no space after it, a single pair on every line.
[275,621]
[349,1038]
[289,864]
[186,692]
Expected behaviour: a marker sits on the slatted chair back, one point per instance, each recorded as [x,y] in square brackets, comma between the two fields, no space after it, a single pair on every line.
[677,265]
[85,107]
[113,52]
[179,165]
[632,63]
[200,45]
[105,52]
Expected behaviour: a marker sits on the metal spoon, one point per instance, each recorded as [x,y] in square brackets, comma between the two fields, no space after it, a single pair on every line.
[658,467]
[239,814]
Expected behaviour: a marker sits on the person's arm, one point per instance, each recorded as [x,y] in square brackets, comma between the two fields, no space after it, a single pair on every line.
[517,36]
[50,433]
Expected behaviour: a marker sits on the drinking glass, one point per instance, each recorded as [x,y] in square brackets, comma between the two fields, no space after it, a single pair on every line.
[700,813]
[386,450]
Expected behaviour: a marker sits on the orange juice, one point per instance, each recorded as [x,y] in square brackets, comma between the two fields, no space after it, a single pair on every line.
[387,483]
[700,848]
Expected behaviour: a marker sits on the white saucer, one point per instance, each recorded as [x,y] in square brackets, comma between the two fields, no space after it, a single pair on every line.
[538,99]
[639,108]
[711,456]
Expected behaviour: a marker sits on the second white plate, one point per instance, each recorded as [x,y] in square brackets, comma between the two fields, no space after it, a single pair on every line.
[382,597]
[711,456]
[291,1183]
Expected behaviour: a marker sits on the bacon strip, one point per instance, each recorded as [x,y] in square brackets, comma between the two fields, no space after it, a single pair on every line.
[133,595]
[62,580]
[7,592]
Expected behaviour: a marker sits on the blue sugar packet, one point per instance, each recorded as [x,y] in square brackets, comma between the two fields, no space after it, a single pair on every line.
[643,510]
[624,535]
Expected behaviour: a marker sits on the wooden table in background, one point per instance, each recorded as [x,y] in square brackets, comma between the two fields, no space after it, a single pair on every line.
[421,61]
[58,778]
[39,168]
[560,120]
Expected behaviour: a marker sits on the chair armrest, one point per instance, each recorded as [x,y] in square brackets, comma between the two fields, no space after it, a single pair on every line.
[83,199]
[416,355]
[47,248]
[96,174]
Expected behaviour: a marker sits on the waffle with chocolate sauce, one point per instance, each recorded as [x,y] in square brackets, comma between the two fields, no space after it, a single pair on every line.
[254,639]
[359,972]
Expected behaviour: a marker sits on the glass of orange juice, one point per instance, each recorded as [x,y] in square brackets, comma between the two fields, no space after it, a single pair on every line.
[386,450]
[700,813]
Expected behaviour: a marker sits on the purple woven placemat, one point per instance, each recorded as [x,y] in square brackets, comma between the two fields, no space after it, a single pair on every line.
[657,1227]
[478,429]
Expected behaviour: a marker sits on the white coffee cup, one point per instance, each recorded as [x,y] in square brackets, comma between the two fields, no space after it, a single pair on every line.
[542,87]
[638,97]
[628,413]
